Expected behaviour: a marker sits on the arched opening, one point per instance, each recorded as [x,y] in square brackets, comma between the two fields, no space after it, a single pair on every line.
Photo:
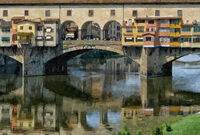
[91,31]
[112,31]
[69,30]
[9,65]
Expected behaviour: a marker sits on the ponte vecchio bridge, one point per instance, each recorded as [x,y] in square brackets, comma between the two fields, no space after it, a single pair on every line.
[43,58]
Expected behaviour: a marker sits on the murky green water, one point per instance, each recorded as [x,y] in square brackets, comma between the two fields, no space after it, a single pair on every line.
[93,102]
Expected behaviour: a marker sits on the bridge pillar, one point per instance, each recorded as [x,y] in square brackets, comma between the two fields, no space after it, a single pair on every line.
[101,34]
[153,63]
[79,34]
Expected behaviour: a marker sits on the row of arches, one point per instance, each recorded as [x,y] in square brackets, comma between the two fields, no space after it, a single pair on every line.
[91,31]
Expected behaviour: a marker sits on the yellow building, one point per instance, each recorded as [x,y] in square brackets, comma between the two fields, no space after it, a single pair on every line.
[26,31]
[175,31]
[186,35]
[131,112]
[132,32]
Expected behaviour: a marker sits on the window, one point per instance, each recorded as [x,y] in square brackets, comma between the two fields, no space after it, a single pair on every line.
[186,29]
[118,28]
[5,13]
[157,12]
[147,29]
[134,13]
[26,13]
[21,27]
[5,29]
[139,39]
[140,29]
[174,21]
[48,29]
[140,21]
[179,13]
[39,38]
[175,30]
[153,29]
[151,22]
[129,30]
[174,39]
[163,39]
[187,40]
[196,40]
[47,13]
[164,21]
[196,28]
[5,39]
[69,12]
[49,38]
[21,124]
[129,39]
[112,12]
[30,27]
[148,38]
[39,28]
[90,13]
[118,35]
[163,29]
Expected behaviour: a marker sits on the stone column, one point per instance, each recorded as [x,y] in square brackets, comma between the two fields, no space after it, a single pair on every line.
[101,34]
[153,63]
[79,34]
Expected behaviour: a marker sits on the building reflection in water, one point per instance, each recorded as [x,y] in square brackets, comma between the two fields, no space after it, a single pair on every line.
[87,105]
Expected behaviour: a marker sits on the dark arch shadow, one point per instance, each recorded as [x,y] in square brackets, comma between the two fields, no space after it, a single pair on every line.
[112,31]
[90,31]
[69,30]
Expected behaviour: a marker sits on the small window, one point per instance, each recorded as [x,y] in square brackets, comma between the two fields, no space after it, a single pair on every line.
[39,28]
[112,12]
[129,30]
[5,13]
[118,28]
[47,13]
[163,29]
[134,13]
[48,29]
[180,13]
[90,13]
[49,38]
[140,29]
[140,21]
[139,39]
[26,13]
[148,39]
[5,29]
[164,21]
[151,22]
[21,27]
[69,12]
[129,39]
[5,39]
[30,27]
[157,12]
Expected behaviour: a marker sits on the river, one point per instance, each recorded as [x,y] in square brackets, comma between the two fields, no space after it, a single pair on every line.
[85,102]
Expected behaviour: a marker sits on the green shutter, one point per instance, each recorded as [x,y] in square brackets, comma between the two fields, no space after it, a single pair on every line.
[194,40]
[5,39]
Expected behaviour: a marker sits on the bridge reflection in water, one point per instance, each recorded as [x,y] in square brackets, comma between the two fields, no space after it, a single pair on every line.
[87,104]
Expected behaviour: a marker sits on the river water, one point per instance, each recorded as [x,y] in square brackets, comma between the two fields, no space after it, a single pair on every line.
[87,103]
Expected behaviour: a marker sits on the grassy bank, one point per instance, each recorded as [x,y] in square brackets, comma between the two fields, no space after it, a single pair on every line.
[189,125]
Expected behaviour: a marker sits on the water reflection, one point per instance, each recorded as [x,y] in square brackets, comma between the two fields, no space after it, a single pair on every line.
[92,104]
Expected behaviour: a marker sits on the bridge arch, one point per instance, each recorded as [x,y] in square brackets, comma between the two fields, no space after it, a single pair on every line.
[90,30]
[69,30]
[112,30]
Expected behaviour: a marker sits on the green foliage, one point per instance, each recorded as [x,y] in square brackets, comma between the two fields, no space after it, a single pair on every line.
[25,34]
[125,132]
[139,132]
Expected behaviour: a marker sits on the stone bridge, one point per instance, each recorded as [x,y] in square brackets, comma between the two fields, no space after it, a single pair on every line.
[153,61]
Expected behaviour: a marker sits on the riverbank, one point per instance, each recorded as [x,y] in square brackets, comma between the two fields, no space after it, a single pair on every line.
[186,126]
